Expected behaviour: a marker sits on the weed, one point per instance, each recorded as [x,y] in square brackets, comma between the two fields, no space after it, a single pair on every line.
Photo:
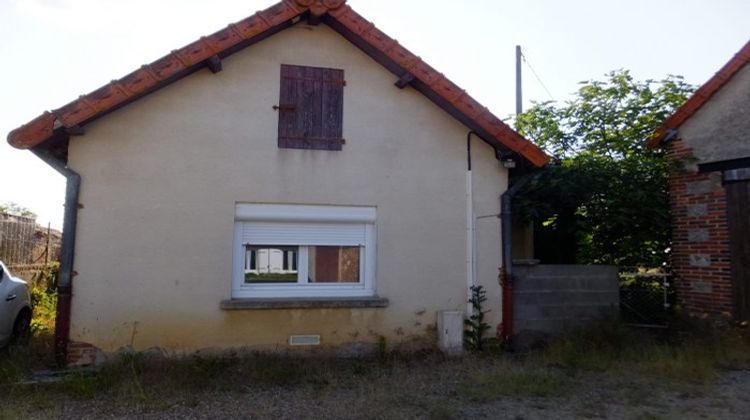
[611,345]
[361,368]
[10,413]
[205,369]
[592,408]
[82,385]
[130,371]
[40,401]
[648,415]
[44,298]
[443,412]
[690,364]
[10,368]
[596,348]
[475,325]
[46,278]
[641,371]
[493,385]
[639,394]
[279,371]
[382,349]
[44,304]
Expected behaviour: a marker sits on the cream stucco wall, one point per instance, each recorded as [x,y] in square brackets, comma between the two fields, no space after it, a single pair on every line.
[720,129]
[160,179]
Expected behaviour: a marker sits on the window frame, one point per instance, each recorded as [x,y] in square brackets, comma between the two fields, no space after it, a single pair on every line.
[246,213]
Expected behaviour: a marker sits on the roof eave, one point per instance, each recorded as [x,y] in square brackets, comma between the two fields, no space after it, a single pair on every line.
[701,96]
[339,16]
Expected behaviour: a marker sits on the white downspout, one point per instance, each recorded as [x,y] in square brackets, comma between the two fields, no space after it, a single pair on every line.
[470,221]
[469,242]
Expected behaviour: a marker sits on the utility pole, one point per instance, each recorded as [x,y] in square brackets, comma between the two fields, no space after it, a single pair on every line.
[519,95]
[46,252]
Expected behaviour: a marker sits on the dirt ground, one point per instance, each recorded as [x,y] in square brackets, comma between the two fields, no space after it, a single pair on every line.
[472,387]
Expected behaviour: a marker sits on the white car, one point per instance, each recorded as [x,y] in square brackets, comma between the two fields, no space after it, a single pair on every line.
[15,307]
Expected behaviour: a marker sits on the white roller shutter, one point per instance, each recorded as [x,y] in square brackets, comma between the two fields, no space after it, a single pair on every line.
[271,233]
[246,212]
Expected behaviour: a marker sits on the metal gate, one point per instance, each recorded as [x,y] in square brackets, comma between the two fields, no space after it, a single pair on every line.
[646,298]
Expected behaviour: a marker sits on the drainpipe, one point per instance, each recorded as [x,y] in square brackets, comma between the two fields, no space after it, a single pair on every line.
[65,277]
[506,273]
[469,227]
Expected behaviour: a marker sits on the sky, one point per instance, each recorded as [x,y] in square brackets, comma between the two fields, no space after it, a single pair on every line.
[55,50]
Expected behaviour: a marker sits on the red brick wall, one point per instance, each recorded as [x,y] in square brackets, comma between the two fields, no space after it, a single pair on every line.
[83,354]
[700,237]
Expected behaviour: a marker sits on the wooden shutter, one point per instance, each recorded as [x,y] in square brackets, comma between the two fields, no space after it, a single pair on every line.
[311,108]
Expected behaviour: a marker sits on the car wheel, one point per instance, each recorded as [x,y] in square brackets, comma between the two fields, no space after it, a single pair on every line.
[22,327]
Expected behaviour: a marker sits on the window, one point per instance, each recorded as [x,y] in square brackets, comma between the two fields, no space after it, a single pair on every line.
[290,260]
[270,264]
[311,108]
[303,251]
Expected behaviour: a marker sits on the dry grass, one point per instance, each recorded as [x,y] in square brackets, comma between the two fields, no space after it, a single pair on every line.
[17,361]
[495,384]
[627,367]
[693,355]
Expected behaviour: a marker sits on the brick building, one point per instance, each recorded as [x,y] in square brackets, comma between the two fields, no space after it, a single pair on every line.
[708,139]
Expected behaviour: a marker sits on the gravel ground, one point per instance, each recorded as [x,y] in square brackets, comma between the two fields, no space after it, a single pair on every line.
[436,389]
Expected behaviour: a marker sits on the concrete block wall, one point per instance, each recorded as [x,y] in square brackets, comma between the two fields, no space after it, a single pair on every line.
[700,236]
[552,298]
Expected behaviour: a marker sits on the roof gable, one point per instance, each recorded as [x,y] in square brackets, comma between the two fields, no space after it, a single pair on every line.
[208,51]
[701,96]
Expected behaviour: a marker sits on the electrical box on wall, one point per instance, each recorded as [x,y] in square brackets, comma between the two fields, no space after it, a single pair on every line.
[450,326]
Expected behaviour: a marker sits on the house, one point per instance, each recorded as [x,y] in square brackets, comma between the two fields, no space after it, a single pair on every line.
[296,178]
[708,139]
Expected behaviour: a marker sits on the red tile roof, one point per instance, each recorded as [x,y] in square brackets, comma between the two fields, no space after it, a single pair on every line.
[226,41]
[701,96]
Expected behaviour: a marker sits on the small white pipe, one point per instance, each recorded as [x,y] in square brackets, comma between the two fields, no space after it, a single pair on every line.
[473,246]
[469,242]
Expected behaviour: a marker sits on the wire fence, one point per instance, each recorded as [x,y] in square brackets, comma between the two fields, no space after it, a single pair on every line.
[26,247]
[646,298]
[17,239]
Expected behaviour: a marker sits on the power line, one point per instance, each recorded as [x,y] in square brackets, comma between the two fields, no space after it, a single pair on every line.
[538,79]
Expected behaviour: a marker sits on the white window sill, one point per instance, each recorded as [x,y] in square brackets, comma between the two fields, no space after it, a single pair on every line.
[304,303]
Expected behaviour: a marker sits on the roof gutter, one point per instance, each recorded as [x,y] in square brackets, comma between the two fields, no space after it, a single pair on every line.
[506,271]
[65,276]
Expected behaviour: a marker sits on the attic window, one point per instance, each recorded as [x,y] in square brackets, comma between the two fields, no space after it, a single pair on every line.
[311,108]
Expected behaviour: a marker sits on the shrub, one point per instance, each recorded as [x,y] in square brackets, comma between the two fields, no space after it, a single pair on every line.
[44,304]
[475,325]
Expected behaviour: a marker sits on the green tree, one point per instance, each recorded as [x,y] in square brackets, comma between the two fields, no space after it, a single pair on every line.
[603,200]
[15,209]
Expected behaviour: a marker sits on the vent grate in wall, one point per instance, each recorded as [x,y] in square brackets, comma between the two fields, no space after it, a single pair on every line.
[304,340]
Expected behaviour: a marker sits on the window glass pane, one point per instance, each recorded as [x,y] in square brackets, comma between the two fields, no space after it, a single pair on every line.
[270,264]
[333,264]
